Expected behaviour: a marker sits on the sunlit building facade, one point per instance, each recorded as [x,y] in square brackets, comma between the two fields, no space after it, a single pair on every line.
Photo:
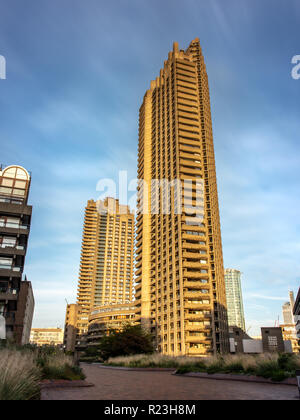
[47,336]
[290,321]
[180,289]
[106,267]
[104,319]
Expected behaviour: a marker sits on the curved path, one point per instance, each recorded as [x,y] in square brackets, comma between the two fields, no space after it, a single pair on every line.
[113,384]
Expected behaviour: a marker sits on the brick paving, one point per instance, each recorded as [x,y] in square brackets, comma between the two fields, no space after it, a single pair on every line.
[112,384]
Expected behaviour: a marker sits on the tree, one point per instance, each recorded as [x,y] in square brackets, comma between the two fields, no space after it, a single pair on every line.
[132,339]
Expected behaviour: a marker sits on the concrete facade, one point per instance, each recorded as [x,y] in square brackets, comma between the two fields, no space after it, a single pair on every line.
[47,336]
[180,291]
[16,296]
[272,340]
[106,266]
[112,317]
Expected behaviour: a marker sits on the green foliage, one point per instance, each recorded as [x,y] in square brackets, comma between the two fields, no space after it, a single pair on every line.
[288,362]
[67,372]
[274,366]
[235,367]
[133,339]
[22,368]
[267,369]
[216,367]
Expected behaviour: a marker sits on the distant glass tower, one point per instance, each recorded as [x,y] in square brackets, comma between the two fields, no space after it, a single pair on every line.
[235,307]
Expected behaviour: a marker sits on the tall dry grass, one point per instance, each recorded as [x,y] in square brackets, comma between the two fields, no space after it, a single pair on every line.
[270,365]
[152,360]
[19,376]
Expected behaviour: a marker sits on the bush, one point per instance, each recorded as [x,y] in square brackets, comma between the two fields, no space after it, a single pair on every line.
[133,339]
[235,367]
[67,372]
[57,365]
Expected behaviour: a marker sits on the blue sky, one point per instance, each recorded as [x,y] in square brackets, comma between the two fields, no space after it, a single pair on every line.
[76,75]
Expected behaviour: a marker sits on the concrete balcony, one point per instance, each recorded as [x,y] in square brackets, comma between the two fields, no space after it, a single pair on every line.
[196,285]
[194,255]
[199,328]
[8,294]
[193,172]
[10,271]
[195,295]
[197,236]
[197,317]
[200,339]
[191,264]
[184,154]
[197,306]
[138,272]
[12,250]
[190,245]
[195,275]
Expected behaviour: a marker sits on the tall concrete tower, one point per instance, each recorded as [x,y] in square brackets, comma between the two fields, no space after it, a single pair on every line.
[180,291]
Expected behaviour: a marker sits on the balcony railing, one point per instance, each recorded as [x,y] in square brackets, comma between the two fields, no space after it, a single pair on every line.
[13,225]
[18,247]
[9,267]
[9,291]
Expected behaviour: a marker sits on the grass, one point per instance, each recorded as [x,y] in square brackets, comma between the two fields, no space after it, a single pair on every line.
[58,366]
[274,366]
[19,376]
[22,369]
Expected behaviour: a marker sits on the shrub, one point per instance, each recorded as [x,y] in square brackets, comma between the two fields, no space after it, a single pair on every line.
[67,372]
[133,339]
[58,366]
[235,367]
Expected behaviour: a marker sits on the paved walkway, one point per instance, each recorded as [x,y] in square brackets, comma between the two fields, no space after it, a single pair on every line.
[111,384]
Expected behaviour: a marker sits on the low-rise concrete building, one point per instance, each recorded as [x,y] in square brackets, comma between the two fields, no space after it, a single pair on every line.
[47,336]
[271,341]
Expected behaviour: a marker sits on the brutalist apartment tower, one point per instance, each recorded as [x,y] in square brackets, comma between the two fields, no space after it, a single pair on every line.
[16,296]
